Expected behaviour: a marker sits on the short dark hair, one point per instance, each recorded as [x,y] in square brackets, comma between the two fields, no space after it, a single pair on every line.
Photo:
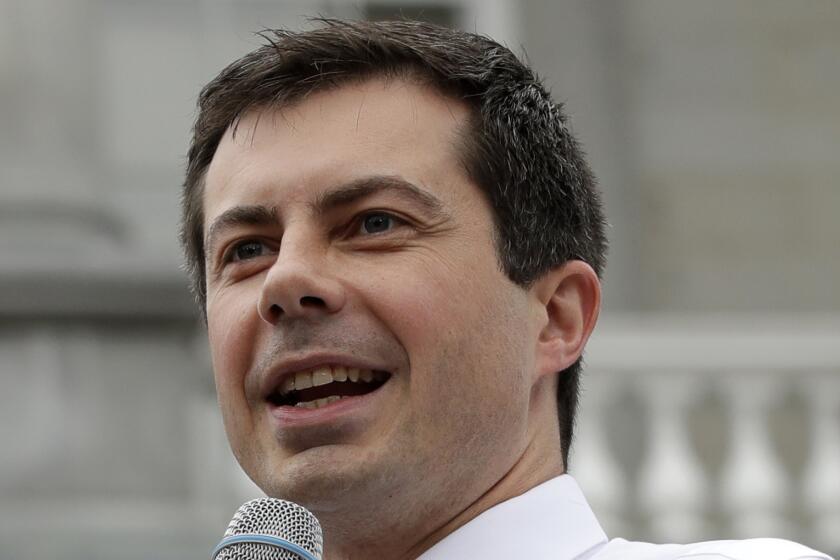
[518,149]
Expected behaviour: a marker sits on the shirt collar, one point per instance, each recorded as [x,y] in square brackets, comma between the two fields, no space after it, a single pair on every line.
[550,521]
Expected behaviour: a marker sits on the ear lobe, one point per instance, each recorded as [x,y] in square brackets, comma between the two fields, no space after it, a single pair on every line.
[571,296]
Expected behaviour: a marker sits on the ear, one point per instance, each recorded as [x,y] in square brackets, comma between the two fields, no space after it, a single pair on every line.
[570,300]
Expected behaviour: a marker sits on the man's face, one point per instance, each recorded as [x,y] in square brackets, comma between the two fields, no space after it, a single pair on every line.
[344,233]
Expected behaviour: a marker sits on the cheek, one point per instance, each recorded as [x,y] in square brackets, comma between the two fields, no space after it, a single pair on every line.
[231,324]
[469,320]
[421,308]
[468,386]
[231,327]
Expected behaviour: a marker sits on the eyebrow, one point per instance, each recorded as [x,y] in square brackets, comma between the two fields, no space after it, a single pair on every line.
[251,215]
[343,195]
[364,187]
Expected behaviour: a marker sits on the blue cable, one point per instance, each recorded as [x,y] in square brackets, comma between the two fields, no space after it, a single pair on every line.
[263,539]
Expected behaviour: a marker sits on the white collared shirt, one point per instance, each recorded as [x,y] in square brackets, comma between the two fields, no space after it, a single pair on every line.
[553,521]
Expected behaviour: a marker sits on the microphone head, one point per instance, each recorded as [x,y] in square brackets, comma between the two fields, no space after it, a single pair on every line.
[272,518]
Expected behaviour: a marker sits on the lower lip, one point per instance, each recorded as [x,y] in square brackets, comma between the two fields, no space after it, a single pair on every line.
[291,416]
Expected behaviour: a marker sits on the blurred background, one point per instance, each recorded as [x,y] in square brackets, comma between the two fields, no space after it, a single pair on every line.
[711,405]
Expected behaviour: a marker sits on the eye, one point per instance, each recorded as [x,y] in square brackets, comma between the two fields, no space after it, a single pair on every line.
[246,250]
[377,222]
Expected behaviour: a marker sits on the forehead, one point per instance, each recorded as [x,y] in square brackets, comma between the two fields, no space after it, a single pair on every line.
[377,127]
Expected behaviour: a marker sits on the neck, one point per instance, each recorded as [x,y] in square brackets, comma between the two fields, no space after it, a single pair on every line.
[397,538]
[530,471]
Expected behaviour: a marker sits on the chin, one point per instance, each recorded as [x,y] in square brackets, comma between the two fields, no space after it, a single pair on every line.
[317,480]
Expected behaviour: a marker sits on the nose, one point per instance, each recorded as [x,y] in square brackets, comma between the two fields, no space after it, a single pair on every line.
[299,285]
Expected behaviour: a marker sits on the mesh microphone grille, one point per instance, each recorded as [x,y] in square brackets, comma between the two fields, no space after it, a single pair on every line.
[278,518]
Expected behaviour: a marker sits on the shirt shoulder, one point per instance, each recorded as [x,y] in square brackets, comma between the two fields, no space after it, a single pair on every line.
[749,549]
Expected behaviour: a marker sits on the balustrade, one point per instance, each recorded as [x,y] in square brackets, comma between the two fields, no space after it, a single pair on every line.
[752,368]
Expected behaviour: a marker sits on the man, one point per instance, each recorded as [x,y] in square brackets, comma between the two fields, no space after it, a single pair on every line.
[397,245]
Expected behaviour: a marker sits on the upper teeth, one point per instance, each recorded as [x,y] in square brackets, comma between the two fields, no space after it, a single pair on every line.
[322,375]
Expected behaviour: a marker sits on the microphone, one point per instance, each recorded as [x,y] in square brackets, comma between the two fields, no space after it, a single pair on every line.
[271,529]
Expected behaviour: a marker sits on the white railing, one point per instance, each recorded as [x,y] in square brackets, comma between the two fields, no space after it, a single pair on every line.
[718,427]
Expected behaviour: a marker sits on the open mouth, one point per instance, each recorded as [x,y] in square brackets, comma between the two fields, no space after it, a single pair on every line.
[324,385]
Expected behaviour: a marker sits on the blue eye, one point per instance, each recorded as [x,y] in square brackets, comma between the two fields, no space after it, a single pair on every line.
[377,222]
[247,250]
